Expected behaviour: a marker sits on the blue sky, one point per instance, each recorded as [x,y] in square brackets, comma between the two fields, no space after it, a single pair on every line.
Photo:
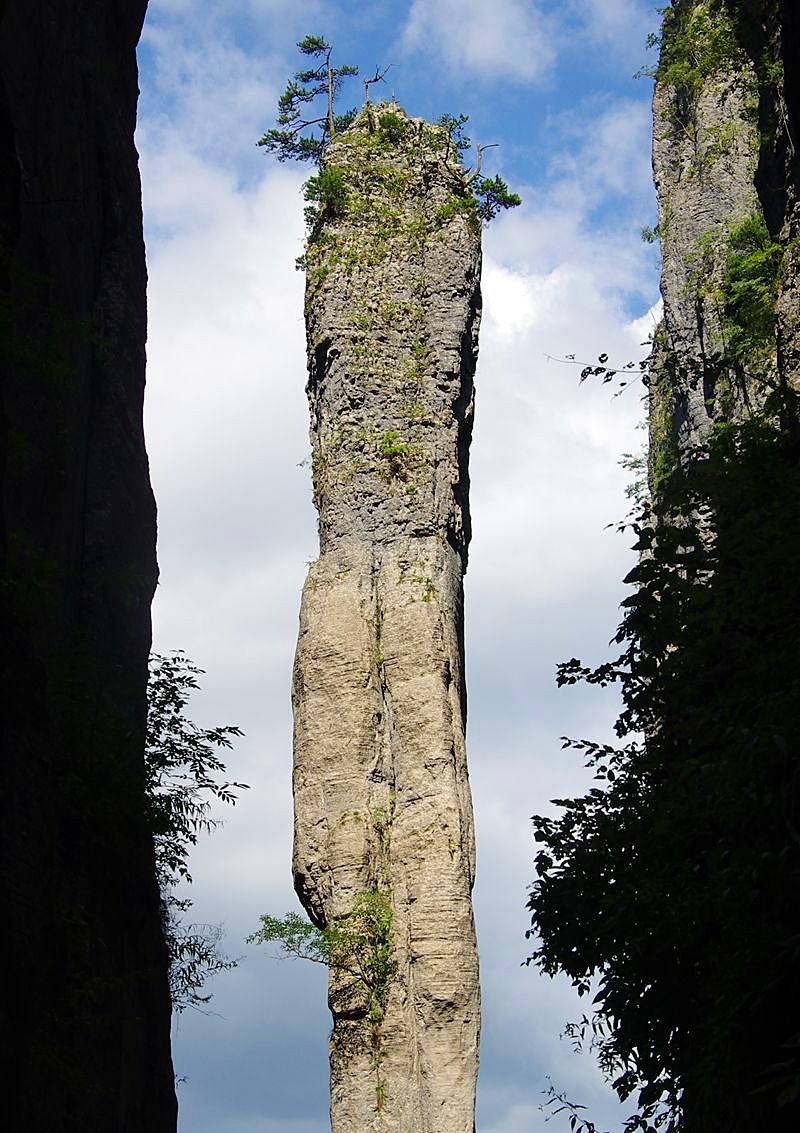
[567,273]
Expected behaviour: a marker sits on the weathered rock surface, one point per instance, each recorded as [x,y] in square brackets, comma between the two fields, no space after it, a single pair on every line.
[382,799]
[705,155]
[85,1014]
[724,152]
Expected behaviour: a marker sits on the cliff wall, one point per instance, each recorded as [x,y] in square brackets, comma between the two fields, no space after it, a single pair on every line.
[725,165]
[84,1023]
[727,370]
[384,842]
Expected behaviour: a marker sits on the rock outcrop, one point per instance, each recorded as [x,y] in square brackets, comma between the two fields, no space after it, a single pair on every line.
[725,167]
[384,843]
[705,155]
[85,1015]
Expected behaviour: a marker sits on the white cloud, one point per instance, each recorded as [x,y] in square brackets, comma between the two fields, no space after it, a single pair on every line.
[507,40]
[641,330]
[610,153]
[619,28]
[209,96]
[611,19]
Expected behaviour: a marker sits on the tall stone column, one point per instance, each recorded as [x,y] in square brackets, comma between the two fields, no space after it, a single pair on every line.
[384,840]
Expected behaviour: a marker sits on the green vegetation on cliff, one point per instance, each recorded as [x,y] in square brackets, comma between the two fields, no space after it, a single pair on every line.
[304,133]
[357,946]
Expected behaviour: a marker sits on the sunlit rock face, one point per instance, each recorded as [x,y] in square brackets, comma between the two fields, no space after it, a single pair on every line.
[85,1010]
[725,163]
[705,153]
[383,813]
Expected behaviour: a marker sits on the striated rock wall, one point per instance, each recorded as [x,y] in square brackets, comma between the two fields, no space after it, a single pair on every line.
[384,842]
[724,158]
[85,1012]
[705,155]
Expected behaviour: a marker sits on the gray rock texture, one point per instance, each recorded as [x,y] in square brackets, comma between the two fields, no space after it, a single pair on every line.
[382,798]
[705,155]
[724,152]
[85,1011]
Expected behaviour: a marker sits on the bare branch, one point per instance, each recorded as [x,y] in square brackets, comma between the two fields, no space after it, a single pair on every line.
[480,151]
[331,119]
[378,77]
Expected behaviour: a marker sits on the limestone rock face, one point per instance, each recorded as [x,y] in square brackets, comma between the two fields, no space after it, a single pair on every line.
[85,1011]
[725,118]
[383,814]
[705,154]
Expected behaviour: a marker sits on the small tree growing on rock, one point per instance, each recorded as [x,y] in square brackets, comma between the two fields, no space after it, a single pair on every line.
[304,137]
[302,134]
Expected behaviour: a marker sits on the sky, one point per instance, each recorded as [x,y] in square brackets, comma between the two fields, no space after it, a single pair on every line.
[567,273]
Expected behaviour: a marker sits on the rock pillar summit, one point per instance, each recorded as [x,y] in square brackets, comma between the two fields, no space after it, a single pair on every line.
[384,839]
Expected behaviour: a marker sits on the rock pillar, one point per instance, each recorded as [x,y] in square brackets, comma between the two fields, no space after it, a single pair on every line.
[384,841]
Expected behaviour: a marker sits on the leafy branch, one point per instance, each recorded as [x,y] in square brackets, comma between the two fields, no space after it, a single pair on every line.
[183,770]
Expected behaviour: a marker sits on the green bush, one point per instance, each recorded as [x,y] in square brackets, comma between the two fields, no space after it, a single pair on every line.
[393,127]
[750,288]
[696,44]
[329,188]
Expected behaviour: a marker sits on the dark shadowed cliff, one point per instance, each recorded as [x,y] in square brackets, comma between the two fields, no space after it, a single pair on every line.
[84,1020]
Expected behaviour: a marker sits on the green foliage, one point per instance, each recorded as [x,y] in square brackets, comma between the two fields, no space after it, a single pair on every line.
[304,130]
[395,452]
[391,445]
[297,937]
[393,127]
[458,206]
[359,945]
[635,463]
[458,142]
[669,889]
[196,954]
[487,198]
[182,766]
[750,289]
[329,188]
[723,138]
[183,779]
[487,195]
[697,41]
[492,196]
[650,235]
